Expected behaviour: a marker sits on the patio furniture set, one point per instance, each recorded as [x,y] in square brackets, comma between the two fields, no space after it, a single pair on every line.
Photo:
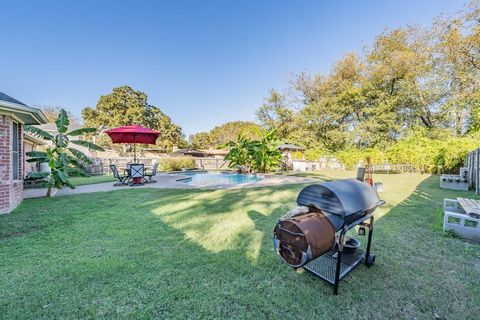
[134,175]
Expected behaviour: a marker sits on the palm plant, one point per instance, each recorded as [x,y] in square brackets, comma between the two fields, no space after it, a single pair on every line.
[60,156]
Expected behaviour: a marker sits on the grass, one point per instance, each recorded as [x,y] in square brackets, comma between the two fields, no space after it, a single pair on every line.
[153,253]
[80,181]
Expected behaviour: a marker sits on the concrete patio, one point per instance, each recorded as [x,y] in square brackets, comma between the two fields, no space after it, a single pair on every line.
[168,181]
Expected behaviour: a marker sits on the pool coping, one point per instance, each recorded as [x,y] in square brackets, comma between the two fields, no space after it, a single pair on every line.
[214,186]
[268,179]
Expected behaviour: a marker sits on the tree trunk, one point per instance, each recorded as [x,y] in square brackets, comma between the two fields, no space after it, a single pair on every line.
[49,191]
[458,123]
[426,121]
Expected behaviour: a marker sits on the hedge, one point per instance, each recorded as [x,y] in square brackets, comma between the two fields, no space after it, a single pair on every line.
[176,164]
[426,154]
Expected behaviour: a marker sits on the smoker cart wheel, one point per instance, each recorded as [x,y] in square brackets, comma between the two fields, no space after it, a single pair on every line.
[370,260]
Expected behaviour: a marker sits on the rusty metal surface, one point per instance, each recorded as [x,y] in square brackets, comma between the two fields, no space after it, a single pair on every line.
[303,238]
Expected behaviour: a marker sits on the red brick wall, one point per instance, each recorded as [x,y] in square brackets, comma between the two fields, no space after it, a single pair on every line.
[11,192]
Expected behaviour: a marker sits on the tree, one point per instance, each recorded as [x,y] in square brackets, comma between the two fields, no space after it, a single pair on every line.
[61,156]
[458,62]
[408,77]
[170,134]
[222,134]
[229,131]
[402,80]
[125,106]
[329,104]
[275,114]
[51,113]
[474,120]
[200,140]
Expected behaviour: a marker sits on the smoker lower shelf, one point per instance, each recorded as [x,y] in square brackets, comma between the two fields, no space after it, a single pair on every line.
[325,265]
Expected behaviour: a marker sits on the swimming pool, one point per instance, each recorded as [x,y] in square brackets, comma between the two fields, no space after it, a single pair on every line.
[217,178]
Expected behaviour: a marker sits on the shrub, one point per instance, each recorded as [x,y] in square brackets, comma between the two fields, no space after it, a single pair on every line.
[79,171]
[428,153]
[453,153]
[310,154]
[176,164]
[352,156]
[418,151]
[444,155]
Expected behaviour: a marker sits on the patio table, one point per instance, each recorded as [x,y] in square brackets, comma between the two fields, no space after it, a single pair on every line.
[125,169]
[136,180]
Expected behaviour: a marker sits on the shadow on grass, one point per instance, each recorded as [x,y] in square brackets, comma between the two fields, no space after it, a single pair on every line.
[151,253]
[415,259]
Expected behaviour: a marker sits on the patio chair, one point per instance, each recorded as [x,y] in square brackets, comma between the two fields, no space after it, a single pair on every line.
[122,180]
[137,173]
[153,174]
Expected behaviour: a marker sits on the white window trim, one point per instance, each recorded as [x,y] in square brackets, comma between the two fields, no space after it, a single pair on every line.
[19,149]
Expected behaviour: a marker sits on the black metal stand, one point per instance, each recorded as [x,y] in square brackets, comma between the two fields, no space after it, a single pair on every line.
[336,264]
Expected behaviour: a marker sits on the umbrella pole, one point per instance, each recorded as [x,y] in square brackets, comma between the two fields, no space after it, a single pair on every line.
[134,149]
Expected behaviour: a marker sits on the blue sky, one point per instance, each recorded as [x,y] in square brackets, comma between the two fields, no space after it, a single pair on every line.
[202,62]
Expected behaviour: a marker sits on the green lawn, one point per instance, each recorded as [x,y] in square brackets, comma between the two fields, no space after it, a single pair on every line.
[153,253]
[80,181]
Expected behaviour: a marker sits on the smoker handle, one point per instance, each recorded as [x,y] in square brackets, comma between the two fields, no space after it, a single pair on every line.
[293,233]
[381,203]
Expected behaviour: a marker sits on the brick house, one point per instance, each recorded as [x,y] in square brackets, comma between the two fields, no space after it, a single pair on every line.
[13,116]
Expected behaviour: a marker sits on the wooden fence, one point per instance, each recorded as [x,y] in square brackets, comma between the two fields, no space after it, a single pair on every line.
[102,166]
[211,163]
[393,168]
[472,163]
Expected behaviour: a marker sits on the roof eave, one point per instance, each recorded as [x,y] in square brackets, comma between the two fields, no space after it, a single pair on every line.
[34,140]
[36,114]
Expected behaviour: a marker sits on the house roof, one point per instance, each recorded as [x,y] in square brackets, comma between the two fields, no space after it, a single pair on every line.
[287,146]
[188,152]
[20,111]
[52,127]
[32,139]
[7,98]
[215,152]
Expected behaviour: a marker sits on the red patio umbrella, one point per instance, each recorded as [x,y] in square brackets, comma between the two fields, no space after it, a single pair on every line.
[133,134]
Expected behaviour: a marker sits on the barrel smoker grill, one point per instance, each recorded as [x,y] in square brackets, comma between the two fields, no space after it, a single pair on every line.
[313,235]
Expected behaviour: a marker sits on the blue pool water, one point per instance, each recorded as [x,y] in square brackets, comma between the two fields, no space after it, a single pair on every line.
[218,178]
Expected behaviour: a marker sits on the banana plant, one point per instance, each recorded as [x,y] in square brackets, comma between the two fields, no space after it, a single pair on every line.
[60,156]
[265,154]
[260,155]
[239,155]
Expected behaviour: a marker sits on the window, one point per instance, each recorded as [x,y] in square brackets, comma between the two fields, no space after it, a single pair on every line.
[16,147]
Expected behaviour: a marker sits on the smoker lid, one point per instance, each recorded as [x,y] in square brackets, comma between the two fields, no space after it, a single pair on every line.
[340,197]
